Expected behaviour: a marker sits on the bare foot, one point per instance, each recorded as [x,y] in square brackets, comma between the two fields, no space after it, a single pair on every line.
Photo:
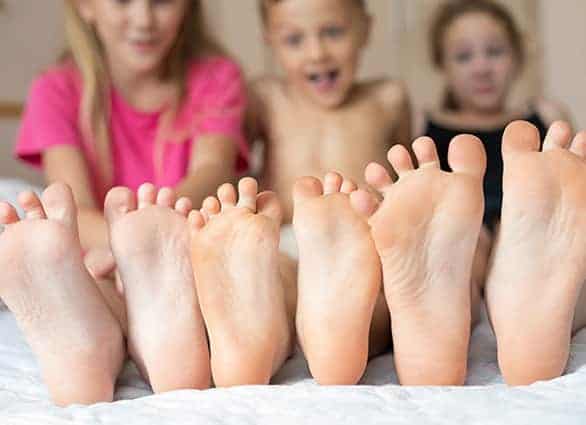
[150,243]
[236,263]
[539,263]
[339,279]
[68,325]
[426,231]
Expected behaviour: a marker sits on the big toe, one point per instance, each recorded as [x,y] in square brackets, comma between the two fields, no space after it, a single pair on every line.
[306,188]
[59,204]
[519,137]
[247,192]
[466,155]
[119,202]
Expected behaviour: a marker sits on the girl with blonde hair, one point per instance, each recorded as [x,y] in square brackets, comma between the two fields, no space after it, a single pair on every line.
[142,94]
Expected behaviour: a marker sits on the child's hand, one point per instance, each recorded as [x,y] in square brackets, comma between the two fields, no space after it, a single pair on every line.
[99,262]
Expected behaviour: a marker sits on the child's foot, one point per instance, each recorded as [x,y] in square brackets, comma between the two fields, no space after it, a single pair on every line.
[339,279]
[236,263]
[68,325]
[425,231]
[539,264]
[150,243]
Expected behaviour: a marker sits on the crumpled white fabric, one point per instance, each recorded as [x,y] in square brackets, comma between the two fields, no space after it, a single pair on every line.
[294,398]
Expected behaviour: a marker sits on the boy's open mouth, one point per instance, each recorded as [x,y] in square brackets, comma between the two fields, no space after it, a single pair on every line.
[324,80]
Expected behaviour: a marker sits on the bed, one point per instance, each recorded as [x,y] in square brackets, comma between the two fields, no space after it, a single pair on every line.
[294,398]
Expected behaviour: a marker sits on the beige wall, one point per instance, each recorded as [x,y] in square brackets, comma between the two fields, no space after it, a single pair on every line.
[30,36]
[563,26]
[398,47]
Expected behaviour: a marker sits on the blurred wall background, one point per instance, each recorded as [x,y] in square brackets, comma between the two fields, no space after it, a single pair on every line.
[555,35]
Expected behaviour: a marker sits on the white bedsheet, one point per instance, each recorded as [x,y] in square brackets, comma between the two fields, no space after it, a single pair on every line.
[294,398]
[10,188]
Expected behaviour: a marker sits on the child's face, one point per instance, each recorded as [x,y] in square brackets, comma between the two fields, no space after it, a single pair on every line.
[318,44]
[136,35]
[479,62]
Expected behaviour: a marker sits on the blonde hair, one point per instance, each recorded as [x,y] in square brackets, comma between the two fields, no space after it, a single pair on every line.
[85,50]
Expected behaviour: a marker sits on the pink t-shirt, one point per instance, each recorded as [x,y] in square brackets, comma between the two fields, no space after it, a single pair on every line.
[214,105]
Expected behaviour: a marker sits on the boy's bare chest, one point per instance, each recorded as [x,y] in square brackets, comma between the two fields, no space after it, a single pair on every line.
[361,132]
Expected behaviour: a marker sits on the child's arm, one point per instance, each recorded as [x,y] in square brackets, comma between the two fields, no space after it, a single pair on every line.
[252,123]
[397,107]
[212,163]
[215,151]
[404,124]
[93,230]
[258,93]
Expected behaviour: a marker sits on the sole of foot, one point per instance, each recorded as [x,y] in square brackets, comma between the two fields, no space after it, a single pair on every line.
[538,267]
[426,230]
[234,246]
[150,243]
[75,337]
[339,279]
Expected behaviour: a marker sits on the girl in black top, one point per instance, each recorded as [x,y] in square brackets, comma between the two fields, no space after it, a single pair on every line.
[478,48]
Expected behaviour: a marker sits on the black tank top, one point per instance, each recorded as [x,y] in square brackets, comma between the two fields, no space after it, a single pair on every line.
[492,141]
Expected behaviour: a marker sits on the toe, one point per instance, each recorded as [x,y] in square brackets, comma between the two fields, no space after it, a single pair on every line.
[306,188]
[558,136]
[183,206]
[466,155]
[196,222]
[348,186]
[166,197]
[378,177]
[363,202]
[8,214]
[31,204]
[119,202]
[426,152]
[520,137]
[268,205]
[247,191]
[60,205]
[400,159]
[227,196]
[578,146]
[147,195]
[210,207]
[332,183]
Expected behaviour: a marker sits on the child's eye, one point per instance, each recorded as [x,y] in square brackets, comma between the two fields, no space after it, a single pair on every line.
[463,57]
[495,51]
[293,40]
[333,31]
